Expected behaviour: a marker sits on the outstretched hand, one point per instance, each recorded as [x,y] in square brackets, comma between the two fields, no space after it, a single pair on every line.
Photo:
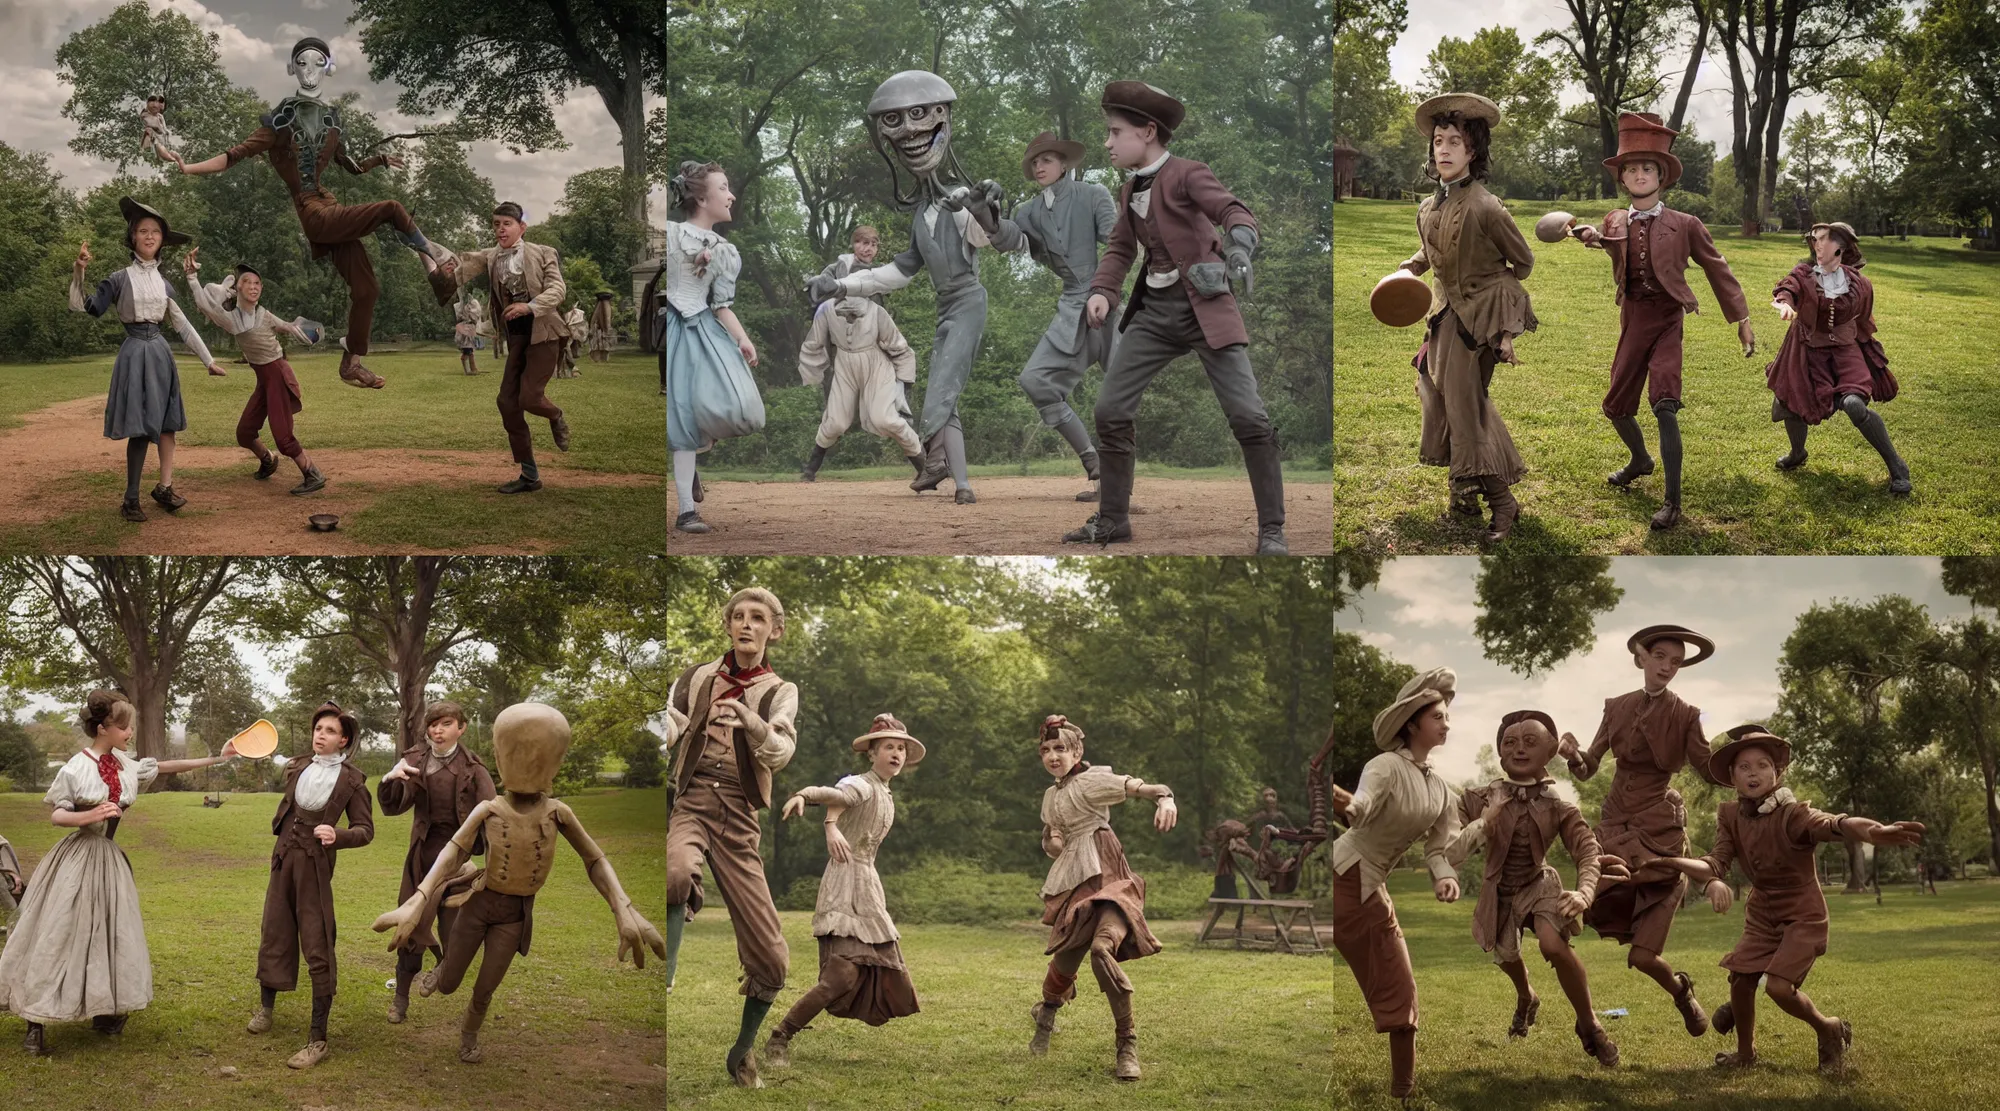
[1340,798]
[1719,896]
[191,261]
[636,935]
[1748,337]
[1785,309]
[1507,351]
[1165,814]
[1897,833]
[402,921]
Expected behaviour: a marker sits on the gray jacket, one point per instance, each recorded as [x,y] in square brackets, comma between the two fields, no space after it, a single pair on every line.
[1064,236]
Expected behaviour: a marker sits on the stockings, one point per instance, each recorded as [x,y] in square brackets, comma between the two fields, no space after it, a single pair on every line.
[954,451]
[135,465]
[1875,432]
[322,1007]
[684,480]
[1078,437]
[676,921]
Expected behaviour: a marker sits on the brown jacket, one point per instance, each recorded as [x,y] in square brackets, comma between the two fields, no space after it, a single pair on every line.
[1652,738]
[1188,204]
[1479,257]
[1676,238]
[1549,817]
[350,797]
[541,272]
[1846,320]
[774,700]
[283,150]
[471,785]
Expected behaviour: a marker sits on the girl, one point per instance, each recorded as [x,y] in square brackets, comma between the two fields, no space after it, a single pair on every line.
[79,950]
[710,393]
[232,305]
[465,334]
[144,405]
[601,332]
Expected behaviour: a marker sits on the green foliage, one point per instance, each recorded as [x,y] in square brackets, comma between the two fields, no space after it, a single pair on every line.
[1536,613]
[643,766]
[21,762]
[111,67]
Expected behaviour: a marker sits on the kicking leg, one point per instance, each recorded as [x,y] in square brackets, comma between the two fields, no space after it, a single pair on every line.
[1677,984]
[1575,985]
[1526,1003]
[1668,414]
[1877,434]
[837,981]
[1834,1033]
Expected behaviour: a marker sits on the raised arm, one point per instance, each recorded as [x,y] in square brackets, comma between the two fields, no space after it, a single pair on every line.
[635,933]
[884,279]
[416,909]
[1583,765]
[208,298]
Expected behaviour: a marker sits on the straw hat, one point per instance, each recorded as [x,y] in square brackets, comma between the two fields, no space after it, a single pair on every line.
[1440,684]
[1748,736]
[1643,639]
[1472,106]
[886,726]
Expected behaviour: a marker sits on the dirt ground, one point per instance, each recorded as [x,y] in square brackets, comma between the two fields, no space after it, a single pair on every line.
[235,515]
[1014,516]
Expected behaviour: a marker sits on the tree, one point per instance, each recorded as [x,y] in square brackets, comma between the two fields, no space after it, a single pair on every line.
[1612,47]
[1809,162]
[1535,613]
[112,66]
[592,225]
[1950,135]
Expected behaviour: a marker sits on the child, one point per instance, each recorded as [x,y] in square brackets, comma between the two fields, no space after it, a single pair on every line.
[154,135]
[233,305]
[856,347]
[439,784]
[710,392]
[1771,834]
[862,247]
[1830,358]
[79,948]
[144,404]
[1181,304]
[1480,257]
[1523,816]
[465,334]
[298,901]
[738,733]
[1093,903]
[861,971]
[1654,734]
[602,332]
[1650,245]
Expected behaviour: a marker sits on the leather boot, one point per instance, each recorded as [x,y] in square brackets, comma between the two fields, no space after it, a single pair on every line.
[354,374]
[811,471]
[266,467]
[1128,1057]
[917,463]
[778,1049]
[1267,488]
[399,1007]
[1402,1063]
[1506,510]
[468,1032]
[936,469]
[1128,1036]
[1795,432]
[36,1043]
[1596,1042]
[1044,1015]
[1692,1016]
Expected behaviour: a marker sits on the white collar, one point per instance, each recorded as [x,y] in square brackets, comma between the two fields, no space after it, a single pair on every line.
[333,761]
[1638,213]
[145,264]
[443,753]
[1407,753]
[1155,167]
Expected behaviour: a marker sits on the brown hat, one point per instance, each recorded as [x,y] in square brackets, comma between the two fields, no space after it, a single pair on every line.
[133,211]
[1643,639]
[1145,101]
[1642,137]
[1470,105]
[1069,150]
[349,727]
[1723,759]
[1440,684]
[886,726]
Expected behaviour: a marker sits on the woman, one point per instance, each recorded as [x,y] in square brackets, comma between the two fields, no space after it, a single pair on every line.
[465,333]
[601,331]
[1399,801]
[1831,359]
[710,393]
[144,405]
[79,950]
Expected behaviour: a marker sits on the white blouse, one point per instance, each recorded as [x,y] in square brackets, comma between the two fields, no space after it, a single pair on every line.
[1077,808]
[851,902]
[1396,804]
[77,786]
[715,287]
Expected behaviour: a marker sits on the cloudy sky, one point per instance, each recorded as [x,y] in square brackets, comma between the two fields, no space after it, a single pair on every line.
[254,37]
[1422,613]
[1432,20]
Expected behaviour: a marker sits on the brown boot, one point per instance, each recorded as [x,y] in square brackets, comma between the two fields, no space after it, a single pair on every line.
[1690,1007]
[1833,1048]
[354,374]
[778,1049]
[1597,1043]
[1506,510]
[1045,1024]
[1402,1063]
[1128,1057]
[468,1032]
[399,1008]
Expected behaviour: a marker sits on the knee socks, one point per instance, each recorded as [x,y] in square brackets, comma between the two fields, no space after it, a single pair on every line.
[1670,451]
[684,479]
[1635,441]
[754,1011]
[269,997]
[1795,432]
[954,452]
[135,465]
[1874,431]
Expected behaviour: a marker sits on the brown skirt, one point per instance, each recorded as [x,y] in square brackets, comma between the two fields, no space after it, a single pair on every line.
[1072,915]
[1637,914]
[1371,941]
[1783,934]
[882,989]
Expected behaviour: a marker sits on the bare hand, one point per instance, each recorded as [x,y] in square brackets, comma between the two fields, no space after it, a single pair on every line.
[1507,351]
[1719,896]
[1589,236]
[516,311]
[402,921]
[189,261]
[1056,840]
[1341,798]
[733,712]
[215,371]
[748,349]
[837,848]
[1747,336]
[1612,869]
[15,885]
[178,161]
[1785,309]
[1897,833]
[82,255]
[1446,889]
[325,833]
[1165,814]
[1096,309]
[228,751]
[1573,903]
[1495,803]
[1566,748]
[402,770]
[105,811]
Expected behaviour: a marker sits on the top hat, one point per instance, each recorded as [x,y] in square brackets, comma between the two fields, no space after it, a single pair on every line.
[1747,736]
[1069,150]
[133,212]
[1145,101]
[1703,647]
[887,727]
[1440,684]
[1641,135]
[1472,106]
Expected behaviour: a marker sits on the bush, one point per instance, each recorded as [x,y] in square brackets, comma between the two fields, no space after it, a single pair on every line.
[959,892]
[1694,204]
[6,784]
[643,767]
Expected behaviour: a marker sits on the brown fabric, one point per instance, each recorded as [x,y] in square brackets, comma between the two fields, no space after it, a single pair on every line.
[283,149]
[1370,940]
[1643,818]
[1674,240]
[1638,253]
[1649,354]
[719,824]
[541,279]
[502,924]
[522,384]
[298,899]
[1784,920]
[1480,259]
[1536,825]
[275,398]
[695,700]
[336,232]
[1462,427]
[1071,915]
[439,802]
[1188,204]
[856,980]
[1829,350]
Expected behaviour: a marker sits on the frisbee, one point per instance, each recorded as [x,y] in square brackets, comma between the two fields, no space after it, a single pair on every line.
[258,741]
[1555,227]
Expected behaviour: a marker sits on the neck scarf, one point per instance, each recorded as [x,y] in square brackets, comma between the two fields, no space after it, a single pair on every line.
[316,782]
[738,680]
[1648,213]
[1527,792]
[109,769]
[1769,803]
[1832,283]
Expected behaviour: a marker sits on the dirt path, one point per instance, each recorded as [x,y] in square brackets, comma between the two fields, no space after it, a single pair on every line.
[1014,516]
[237,515]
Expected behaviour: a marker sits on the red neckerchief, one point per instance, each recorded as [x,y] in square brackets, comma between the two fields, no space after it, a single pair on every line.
[107,770]
[736,680]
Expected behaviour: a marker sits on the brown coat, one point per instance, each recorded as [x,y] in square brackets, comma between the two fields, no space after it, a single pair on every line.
[541,273]
[774,700]
[283,150]
[1784,921]
[1480,256]
[1846,320]
[471,785]
[298,914]
[1676,238]
[350,797]
[1549,817]
[1652,739]
[1188,204]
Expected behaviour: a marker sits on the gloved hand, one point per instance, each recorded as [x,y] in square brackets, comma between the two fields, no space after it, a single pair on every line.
[823,288]
[983,201]
[1242,244]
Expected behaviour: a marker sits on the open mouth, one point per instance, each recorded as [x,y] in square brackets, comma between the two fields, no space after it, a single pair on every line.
[917,146]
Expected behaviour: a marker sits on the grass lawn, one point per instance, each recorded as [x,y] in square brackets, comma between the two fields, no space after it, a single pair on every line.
[1040,468]
[570,1026]
[1942,422]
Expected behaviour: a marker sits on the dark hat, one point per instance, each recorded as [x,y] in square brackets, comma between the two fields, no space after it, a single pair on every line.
[887,727]
[1069,150]
[1642,137]
[1472,106]
[1145,101]
[133,212]
[1748,736]
[310,42]
[243,268]
[605,295]
[349,727]
[1703,647]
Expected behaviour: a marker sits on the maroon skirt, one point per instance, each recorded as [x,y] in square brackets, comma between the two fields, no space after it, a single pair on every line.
[1071,916]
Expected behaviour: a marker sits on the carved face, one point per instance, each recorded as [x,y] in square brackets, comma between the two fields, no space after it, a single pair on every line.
[918,135]
[310,67]
[529,740]
[1526,749]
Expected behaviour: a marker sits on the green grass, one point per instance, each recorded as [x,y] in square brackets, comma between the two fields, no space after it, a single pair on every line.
[1926,292]
[1040,468]
[570,1026]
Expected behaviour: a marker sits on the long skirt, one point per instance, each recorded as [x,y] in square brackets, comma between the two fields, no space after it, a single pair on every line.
[79,949]
[145,396]
[711,394]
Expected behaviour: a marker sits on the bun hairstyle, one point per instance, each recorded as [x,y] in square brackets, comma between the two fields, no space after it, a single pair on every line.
[1058,727]
[689,186]
[105,707]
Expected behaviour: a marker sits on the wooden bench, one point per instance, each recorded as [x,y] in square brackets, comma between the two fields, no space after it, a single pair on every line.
[1284,915]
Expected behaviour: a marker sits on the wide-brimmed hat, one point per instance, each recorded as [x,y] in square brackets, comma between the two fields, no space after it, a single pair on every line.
[605,295]
[1703,647]
[1748,736]
[1470,105]
[1069,150]
[1440,684]
[1145,101]
[886,726]
[349,727]
[133,212]
[1641,135]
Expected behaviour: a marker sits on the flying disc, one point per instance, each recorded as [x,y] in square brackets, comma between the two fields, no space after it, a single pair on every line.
[258,741]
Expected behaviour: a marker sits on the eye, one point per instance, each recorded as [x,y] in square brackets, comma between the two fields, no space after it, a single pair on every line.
[918,112]
[892,118]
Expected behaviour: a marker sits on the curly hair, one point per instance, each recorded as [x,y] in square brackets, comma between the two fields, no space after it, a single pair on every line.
[690,186]
[1478,136]
[106,707]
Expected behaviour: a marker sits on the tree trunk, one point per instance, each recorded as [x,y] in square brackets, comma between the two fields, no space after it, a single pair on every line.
[1987,773]
[1701,24]
[632,138]
[1857,868]
[149,697]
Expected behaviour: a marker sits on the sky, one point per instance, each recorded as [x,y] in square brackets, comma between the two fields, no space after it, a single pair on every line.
[1432,20]
[254,37]
[1422,612]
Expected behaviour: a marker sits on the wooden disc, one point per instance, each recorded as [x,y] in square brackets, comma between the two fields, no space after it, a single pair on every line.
[258,741]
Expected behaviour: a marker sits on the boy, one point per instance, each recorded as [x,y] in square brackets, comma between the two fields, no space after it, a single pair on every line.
[1771,834]
[1650,246]
[738,732]
[857,350]
[298,901]
[861,972]
[862,247]
[1181,303]
[233,305]
[1060,227]
[440,784]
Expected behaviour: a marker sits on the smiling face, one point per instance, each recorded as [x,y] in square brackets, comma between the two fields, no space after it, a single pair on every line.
[146,236]
[1525,750]
[865,251]
[249,289]
[1754,772]
[751,627]
[328,740]
[1451,151]
[1060,753]
[114,735]
[1641,178]
[919,135]
[716,201]
[888,755]
[1047,167]
[1661,661]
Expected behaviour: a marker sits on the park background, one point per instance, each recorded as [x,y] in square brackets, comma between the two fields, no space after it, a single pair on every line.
[775,93]
[206,646]
[1865,111]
